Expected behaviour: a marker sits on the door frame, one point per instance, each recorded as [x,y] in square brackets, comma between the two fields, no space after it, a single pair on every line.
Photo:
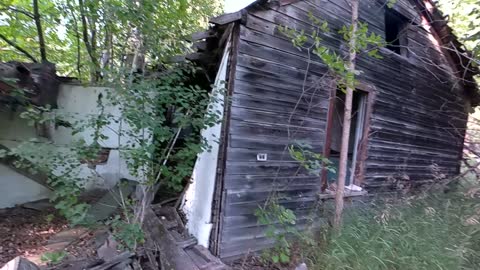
[359,173]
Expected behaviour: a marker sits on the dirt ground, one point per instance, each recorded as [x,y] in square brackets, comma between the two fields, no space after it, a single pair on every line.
[24,232]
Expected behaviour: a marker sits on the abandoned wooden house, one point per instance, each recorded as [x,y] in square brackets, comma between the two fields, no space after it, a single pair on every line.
[410,112]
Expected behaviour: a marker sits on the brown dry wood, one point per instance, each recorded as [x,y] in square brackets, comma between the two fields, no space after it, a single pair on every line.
[156,235]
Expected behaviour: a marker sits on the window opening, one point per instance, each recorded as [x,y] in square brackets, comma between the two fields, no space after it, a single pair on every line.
[396,28]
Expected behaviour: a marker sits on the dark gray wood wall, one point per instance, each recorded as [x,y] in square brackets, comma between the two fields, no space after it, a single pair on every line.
[417,120]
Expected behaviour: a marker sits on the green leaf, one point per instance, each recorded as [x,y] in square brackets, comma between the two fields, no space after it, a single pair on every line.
[284,258]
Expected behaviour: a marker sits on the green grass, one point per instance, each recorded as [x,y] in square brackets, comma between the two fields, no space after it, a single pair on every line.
[432,232]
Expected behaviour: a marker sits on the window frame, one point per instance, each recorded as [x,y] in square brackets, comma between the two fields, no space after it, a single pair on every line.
[395,20]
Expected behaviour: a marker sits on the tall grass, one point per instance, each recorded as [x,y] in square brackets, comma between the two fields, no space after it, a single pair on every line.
[438,231]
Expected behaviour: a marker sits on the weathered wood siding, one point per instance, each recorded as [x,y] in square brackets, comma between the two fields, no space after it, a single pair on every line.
[417,121]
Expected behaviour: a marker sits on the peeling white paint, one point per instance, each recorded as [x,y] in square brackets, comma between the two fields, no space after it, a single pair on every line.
[197,203]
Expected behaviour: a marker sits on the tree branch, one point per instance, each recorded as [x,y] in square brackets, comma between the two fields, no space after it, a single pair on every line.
[38,24]
[24,12]
[18,48]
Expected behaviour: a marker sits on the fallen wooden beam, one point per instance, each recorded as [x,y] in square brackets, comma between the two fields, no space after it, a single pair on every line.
[159,239]
[182,249]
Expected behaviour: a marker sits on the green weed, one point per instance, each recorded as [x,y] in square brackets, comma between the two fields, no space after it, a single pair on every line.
[439,231]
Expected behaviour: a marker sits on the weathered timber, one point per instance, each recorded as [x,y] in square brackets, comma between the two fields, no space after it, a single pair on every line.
[158,238]
[227,18]
[202,35]
[417,108]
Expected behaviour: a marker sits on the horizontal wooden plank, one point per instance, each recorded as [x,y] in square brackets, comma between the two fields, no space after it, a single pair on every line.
[241,182]
[251,221]
[266,168]
[253,115]
[249,208]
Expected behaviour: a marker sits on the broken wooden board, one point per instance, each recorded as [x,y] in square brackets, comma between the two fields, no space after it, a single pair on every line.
[203,258]
[158,238]
[177,249]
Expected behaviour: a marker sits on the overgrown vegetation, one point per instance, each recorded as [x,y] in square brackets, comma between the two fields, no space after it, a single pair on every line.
[158,131]
[427,231]
[280,223]
[85,38]
[123,46]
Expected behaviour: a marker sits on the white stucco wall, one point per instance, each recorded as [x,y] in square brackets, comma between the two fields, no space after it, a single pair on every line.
[197,203]
[18,189]
[74,102]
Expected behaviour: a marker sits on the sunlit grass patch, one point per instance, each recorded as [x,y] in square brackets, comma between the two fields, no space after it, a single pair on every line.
[438,231]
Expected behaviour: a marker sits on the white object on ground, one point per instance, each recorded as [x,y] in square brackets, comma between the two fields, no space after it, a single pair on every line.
[353,187]
[302,266]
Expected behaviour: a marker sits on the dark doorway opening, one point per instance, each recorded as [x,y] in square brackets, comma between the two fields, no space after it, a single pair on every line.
[357,131]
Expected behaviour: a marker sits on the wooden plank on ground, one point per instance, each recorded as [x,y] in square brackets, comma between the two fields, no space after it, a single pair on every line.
[158,237]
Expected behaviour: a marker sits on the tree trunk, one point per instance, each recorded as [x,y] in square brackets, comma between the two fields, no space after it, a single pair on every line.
[38,24]
[343,167]
[95,72]
[77,37]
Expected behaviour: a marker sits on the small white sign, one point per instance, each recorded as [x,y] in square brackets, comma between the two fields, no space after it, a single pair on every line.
[262,157]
